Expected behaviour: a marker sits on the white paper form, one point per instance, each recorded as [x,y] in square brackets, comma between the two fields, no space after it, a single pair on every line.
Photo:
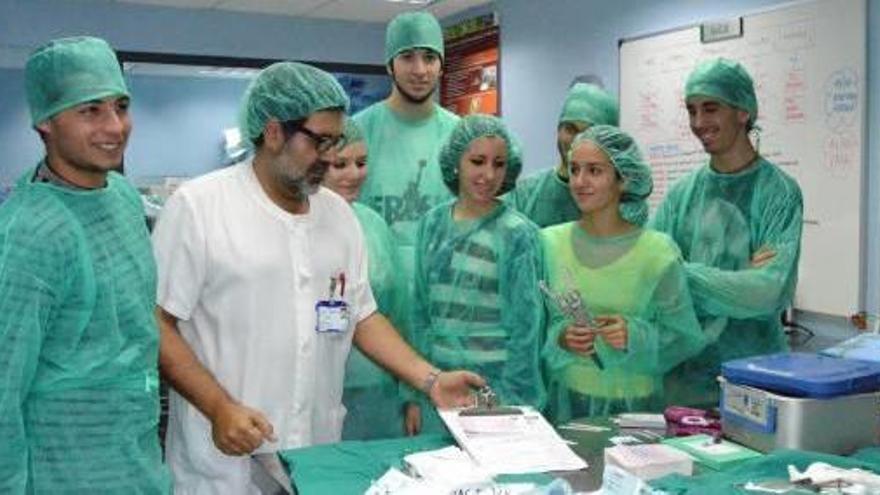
[448,463]
[512,444]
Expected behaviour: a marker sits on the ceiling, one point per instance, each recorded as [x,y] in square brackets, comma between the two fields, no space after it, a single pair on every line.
[345,10]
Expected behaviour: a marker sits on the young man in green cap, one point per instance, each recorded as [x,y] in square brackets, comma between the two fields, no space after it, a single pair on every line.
[262,290]
[79,397]
[405,131]
[737,221]
[545,197]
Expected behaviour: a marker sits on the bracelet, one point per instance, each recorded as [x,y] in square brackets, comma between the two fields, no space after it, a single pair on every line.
[430,380]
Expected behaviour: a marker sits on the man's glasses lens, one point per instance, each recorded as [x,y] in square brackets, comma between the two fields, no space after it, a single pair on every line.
[322,143]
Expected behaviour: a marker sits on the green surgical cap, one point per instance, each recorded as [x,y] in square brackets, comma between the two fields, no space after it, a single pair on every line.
[68,71]
[624,154]
[352,133]
[469,129]
[287,91]
[589,103]
[726,81]
[413,30]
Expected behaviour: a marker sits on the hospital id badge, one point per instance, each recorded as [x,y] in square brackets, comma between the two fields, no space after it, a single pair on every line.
[332,316]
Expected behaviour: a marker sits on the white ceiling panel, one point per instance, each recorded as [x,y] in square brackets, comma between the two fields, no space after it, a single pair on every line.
[345,10]
[293,8]
[361,10]
[186,4]
[449,7]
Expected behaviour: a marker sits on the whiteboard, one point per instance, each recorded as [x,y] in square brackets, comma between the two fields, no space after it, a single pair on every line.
[808,61]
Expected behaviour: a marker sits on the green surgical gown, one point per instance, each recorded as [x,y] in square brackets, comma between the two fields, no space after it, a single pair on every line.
[719,221]
[639,276]
[79,403]
[404,180]
[477,305]
[371,393]
[544,198]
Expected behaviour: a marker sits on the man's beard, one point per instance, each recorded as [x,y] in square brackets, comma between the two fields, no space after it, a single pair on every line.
[305,185]
[413,99]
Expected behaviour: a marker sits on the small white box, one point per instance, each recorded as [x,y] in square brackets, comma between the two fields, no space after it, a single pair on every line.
[649,461]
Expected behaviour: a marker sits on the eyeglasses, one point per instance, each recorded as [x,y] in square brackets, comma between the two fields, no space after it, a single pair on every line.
[323,143]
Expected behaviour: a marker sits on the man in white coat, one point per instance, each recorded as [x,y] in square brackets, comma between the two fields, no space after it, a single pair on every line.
[263,289]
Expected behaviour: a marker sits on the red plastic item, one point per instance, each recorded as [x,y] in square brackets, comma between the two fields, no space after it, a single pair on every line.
[686,421]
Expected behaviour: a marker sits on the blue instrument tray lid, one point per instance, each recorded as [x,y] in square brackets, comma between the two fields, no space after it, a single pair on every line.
[804,375]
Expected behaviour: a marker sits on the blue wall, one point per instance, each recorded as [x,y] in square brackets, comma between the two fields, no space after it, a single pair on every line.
[873,212]
[21,146]
[178,123]
[545,44]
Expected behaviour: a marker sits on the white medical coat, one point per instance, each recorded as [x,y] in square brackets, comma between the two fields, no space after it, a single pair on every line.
[243,277]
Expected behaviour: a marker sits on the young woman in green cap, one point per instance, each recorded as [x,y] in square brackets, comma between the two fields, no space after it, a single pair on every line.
[477,305]
[630,278]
